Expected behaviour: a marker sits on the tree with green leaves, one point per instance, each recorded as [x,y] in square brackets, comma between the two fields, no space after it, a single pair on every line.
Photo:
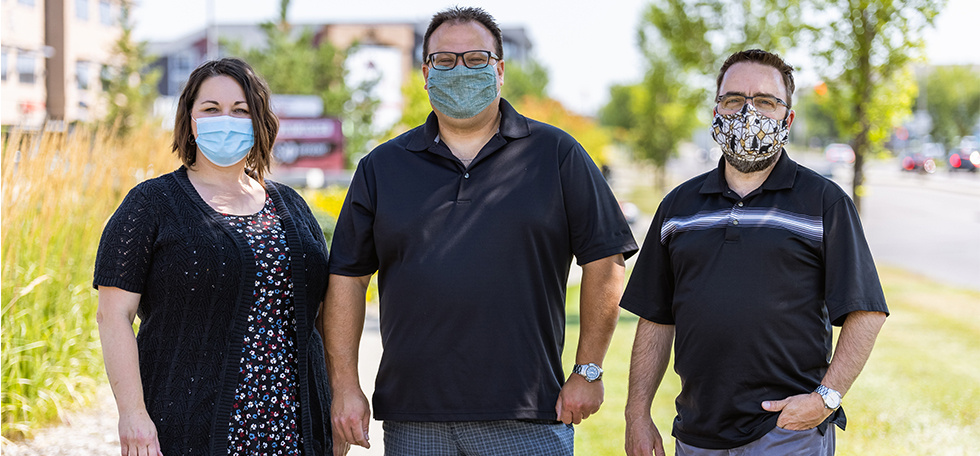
[863,49]
[952,98]
[294,63]
[525,79]
[654,116]
[866,48]
[683,43]
[415,104]
[130,88]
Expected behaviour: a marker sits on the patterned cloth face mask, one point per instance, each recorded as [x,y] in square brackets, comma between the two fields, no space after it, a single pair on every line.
[462,92]
[748,136]
[224,140]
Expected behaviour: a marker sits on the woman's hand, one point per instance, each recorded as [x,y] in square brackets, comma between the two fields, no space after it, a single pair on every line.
[138,435]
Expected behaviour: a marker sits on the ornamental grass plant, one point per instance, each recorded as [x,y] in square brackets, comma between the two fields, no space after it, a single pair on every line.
[58,190]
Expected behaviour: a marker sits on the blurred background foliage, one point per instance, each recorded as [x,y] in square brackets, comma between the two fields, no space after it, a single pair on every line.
[293,63]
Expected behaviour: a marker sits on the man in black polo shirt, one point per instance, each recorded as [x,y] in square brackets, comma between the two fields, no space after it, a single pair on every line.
[747,267]
[471,221]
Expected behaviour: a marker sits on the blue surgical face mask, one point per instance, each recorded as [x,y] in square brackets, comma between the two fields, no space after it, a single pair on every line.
[224,140]
[462,92]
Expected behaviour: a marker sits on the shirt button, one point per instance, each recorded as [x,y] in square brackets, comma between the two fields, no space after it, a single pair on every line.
[466,176]
[740,204]
[734,222]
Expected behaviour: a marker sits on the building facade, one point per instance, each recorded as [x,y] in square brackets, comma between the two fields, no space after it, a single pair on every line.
[55,53]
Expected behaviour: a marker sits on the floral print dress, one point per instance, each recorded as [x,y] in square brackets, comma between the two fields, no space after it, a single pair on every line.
[265,412]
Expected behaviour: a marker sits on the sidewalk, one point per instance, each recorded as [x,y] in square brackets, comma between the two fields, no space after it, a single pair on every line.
[367,367]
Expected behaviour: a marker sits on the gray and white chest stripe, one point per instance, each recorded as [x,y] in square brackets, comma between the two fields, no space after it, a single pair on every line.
[808,226]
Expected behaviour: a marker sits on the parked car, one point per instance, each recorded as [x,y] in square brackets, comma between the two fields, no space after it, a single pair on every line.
[922,157]
[917,162]
[966,156]
[839,153]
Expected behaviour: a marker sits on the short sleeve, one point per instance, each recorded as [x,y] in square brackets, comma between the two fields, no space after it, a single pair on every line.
[126,248]
[352,251]
[851,277]
[649,292]
[596,224]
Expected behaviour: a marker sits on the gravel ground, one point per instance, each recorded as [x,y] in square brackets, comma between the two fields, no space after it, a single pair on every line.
[91,432]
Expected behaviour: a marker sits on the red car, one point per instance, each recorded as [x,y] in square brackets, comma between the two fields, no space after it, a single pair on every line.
[966,156]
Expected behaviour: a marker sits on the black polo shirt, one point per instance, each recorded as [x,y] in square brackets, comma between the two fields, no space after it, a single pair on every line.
[752,286]
[473,264]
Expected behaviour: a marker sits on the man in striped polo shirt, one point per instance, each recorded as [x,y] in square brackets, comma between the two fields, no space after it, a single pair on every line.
[746,268]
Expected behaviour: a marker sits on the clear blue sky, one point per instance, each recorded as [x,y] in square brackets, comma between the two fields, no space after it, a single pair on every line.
[570,37]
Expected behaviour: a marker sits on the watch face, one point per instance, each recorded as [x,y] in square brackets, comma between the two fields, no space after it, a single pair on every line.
[831,401]
[591,373]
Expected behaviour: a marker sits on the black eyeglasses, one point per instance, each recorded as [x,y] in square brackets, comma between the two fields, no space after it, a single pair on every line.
[767,104]
[474,60]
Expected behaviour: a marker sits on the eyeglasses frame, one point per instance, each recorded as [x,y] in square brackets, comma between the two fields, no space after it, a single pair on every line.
[747,99]
[459,56]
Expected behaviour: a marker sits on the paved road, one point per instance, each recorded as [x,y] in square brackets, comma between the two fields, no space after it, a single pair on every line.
[929,224]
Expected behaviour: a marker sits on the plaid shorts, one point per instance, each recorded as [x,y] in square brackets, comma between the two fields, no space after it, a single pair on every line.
[478,438]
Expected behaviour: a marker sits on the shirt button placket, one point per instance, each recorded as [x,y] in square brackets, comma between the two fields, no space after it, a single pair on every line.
[463,192]
[736,212]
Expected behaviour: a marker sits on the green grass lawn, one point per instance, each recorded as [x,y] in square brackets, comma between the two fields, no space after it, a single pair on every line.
[919,393]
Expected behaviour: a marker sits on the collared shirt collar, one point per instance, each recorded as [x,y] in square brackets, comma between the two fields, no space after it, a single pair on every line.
[783,176]
[512,125]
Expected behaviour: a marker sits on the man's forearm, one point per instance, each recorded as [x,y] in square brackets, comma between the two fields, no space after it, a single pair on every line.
[341,323]
[857,338]
[602,288]
[648,364]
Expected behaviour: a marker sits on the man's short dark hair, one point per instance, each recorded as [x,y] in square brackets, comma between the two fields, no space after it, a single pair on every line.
[764,58]
[457,15]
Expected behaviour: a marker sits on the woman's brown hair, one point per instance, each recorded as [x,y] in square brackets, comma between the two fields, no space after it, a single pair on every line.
[265,124]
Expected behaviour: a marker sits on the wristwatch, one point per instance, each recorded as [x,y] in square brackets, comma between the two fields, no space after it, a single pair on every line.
[591,371]
[831,397]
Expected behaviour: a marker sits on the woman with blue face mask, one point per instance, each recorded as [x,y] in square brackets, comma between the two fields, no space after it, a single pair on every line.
[226,271]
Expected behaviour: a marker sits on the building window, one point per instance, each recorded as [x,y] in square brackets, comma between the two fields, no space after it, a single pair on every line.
[81,9]
[107,75]
[105,12]
[3,72]
[26,2]
[26,67]
[83,73]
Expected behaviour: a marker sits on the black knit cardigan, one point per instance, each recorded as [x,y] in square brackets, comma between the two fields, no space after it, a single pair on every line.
[196,279]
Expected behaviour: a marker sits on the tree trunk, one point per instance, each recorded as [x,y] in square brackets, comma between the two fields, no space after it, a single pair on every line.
[865,36]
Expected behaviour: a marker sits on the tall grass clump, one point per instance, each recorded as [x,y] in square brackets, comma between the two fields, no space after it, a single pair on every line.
[58,190]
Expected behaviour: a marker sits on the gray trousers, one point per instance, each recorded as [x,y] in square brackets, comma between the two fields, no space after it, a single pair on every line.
[478,438]
[779,442]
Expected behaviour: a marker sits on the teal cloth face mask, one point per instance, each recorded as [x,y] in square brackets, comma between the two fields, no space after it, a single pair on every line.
[462,92]
[224,140]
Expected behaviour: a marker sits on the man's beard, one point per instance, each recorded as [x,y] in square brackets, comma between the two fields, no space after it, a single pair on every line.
[746,166]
